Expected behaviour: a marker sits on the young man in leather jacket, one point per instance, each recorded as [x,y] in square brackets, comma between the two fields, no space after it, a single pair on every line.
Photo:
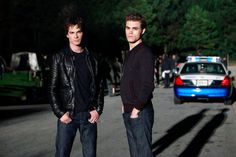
[137,85]
[75,92]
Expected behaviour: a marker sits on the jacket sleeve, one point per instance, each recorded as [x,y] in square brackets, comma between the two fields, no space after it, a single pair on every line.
[146,78]
[53,85]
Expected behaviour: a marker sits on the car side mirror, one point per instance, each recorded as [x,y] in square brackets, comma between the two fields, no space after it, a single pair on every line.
[229,72]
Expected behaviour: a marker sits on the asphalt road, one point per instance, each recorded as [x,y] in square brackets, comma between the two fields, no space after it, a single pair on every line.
[196,129]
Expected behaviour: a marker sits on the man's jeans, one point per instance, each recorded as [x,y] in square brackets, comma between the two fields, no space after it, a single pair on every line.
[167,80]
[66,134]
[139,132]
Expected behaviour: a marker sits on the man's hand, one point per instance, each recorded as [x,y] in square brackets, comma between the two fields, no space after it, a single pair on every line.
[134,113]
[66,118]
[94,116]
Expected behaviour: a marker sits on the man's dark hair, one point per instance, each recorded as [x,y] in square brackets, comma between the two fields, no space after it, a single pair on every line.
[73,20]
[136,17]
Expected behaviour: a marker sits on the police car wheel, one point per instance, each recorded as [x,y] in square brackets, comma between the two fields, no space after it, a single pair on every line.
[177,100]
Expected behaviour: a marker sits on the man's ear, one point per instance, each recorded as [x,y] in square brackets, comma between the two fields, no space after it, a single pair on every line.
[143,31]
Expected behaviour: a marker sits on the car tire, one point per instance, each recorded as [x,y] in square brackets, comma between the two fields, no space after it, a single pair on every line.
[228,102]
[177,100]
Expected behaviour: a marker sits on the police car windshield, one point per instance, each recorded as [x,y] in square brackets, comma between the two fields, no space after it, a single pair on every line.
[203,68]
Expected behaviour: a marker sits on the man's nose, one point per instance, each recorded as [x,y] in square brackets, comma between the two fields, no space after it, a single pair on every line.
[76,35]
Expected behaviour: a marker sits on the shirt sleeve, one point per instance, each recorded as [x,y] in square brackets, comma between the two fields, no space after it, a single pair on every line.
[146,74]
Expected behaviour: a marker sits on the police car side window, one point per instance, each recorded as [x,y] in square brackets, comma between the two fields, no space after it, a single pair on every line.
[221,70]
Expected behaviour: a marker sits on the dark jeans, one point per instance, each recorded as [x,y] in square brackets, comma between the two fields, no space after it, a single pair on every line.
[66,134]
[139,132]
[167,80]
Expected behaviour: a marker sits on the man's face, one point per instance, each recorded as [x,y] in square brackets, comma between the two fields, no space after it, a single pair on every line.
[74,35]
[133,31]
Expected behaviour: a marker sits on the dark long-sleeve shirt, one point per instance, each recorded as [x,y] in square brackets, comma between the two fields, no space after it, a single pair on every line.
[137,83]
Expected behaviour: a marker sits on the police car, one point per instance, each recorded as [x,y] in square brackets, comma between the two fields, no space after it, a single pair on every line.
[203,77]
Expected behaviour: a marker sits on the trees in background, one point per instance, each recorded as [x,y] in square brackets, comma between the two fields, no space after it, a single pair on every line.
[173,25]
[198,31]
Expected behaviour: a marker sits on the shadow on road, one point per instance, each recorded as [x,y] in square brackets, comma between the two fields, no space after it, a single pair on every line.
[177,131]
[4,115]
[195,146]
[10,112]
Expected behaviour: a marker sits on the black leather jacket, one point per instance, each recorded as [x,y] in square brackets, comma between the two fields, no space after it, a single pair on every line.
[62,83]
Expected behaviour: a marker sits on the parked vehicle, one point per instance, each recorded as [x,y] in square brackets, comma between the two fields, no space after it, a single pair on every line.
[23,78]
[203,77]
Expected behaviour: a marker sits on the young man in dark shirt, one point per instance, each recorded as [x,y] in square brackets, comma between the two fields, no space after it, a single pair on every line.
[137,85]
[75,93]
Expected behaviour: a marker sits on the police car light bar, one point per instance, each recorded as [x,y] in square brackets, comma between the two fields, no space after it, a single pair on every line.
[203,58]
